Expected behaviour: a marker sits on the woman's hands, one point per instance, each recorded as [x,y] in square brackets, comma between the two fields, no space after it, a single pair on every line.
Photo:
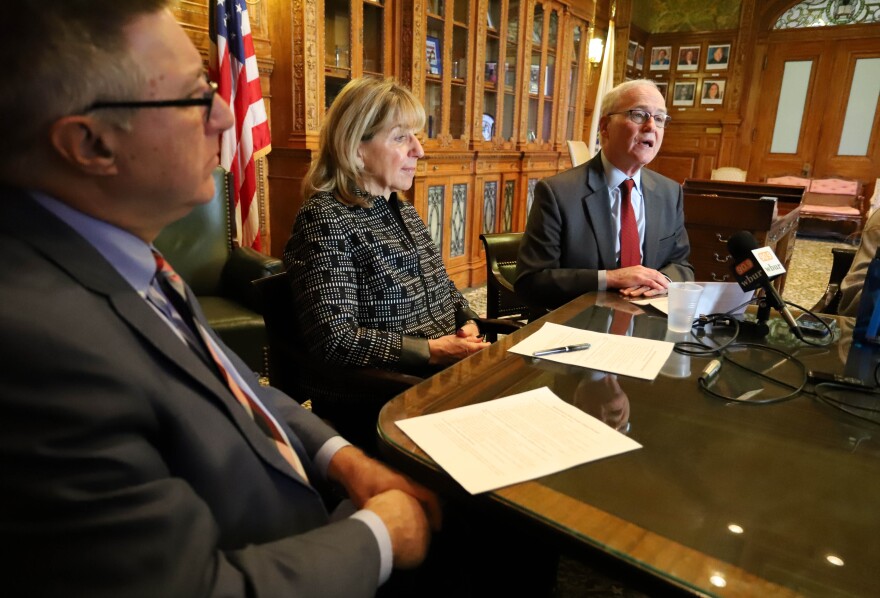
[455,347]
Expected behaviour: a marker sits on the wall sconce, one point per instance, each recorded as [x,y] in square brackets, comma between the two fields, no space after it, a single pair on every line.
[596,49]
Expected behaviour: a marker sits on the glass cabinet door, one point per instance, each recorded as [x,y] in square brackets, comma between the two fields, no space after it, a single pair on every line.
[374,39]
[337,47]
[577,47]
[447,58]
[434,67]
[511,71]
[458,74]
[348,53]
[496,123]
[542,73]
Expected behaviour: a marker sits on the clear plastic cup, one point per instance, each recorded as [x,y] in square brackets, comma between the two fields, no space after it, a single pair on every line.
[683,299]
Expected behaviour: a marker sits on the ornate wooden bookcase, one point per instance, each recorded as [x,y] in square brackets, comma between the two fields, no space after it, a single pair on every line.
[490,134]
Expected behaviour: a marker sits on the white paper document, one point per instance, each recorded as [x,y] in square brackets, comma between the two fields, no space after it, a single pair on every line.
[625,355]
[716,298]
[514,439]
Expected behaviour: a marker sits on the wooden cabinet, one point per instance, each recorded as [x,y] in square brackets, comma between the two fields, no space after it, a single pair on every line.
[348,53]
[716,210]
[443,197]
[470,62]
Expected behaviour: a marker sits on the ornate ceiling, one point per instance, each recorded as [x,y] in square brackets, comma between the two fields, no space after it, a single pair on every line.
[665,16]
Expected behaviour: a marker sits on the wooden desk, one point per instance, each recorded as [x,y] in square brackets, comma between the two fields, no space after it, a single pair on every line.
[715,210]
[801,480]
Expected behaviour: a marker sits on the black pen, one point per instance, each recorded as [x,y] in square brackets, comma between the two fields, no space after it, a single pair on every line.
[568,349]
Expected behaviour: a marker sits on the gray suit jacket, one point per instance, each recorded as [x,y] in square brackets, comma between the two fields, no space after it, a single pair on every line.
[128,468]
[569,236]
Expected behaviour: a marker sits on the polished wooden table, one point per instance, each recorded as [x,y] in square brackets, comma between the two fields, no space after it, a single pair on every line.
[723,498]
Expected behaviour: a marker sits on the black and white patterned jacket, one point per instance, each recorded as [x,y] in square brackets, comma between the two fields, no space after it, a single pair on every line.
[368,291]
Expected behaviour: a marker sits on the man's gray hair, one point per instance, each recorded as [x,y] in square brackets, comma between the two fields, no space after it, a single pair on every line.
[612,98]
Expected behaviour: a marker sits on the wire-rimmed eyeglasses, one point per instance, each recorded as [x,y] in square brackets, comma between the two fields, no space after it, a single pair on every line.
[640,117]
[207,100]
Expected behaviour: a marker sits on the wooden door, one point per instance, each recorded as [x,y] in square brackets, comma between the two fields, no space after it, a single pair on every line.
[819,111]
[852,149]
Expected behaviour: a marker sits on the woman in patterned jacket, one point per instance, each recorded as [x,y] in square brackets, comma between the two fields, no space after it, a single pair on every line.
[370,285]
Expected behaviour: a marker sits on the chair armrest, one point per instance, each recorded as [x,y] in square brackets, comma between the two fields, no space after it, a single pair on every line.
[502,281]
[829,301]
[244,266]
[383,384]
[498,326]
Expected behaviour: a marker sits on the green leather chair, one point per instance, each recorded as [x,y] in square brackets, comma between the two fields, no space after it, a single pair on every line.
[502,301]
[202,249]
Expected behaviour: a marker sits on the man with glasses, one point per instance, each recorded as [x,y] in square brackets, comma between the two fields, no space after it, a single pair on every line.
[140,456]
[609,223]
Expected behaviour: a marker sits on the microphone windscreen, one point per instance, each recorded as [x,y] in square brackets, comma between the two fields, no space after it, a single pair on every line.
[741,245]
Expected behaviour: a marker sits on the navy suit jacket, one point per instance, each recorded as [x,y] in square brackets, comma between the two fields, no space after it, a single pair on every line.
[128,467]
[570,234]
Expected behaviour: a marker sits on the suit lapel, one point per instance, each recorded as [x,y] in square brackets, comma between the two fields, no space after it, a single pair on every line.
[653,216]
[598,206]
[23,218]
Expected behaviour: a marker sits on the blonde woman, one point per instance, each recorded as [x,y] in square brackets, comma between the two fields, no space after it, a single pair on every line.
[371,288]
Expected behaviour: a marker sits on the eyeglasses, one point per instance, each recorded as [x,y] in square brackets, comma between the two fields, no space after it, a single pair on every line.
[640,117]
[207,100]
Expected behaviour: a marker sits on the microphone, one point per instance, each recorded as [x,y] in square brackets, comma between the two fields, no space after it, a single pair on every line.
[754,267]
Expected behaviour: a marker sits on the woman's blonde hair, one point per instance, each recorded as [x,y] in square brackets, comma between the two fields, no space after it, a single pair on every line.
[364,107]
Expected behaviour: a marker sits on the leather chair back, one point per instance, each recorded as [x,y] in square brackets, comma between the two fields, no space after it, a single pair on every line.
[201,248]
[198,245]
[502,301]
[293,368]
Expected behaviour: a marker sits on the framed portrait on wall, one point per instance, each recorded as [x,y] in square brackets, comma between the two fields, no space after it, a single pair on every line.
[713,92]
[663,87]
[660,58]
[688,58]
[717,56]
[683,93]
[631,53]
[434,58]
[640,57]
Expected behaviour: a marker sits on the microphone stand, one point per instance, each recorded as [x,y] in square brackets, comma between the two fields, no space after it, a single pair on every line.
[759,327]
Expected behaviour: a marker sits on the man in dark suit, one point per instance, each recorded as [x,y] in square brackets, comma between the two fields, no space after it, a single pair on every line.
[609,223]
[131,466]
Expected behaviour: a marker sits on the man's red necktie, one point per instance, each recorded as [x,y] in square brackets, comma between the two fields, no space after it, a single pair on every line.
[630,247]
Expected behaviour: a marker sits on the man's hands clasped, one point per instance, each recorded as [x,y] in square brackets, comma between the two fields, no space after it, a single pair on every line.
[637,281]
[409,510]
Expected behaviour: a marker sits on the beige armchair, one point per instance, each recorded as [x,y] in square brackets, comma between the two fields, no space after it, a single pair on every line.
[728,173]
[578,152]
[834,208]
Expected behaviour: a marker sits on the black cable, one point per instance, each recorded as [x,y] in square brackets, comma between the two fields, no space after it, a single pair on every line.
[818,392]
[803,338]
[700,349]
[787,356]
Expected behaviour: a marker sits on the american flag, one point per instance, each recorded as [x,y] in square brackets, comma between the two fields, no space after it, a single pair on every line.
[234,68]
[606,84]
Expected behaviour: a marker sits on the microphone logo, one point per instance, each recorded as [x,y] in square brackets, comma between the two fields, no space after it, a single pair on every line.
[769,262]
[744,266]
